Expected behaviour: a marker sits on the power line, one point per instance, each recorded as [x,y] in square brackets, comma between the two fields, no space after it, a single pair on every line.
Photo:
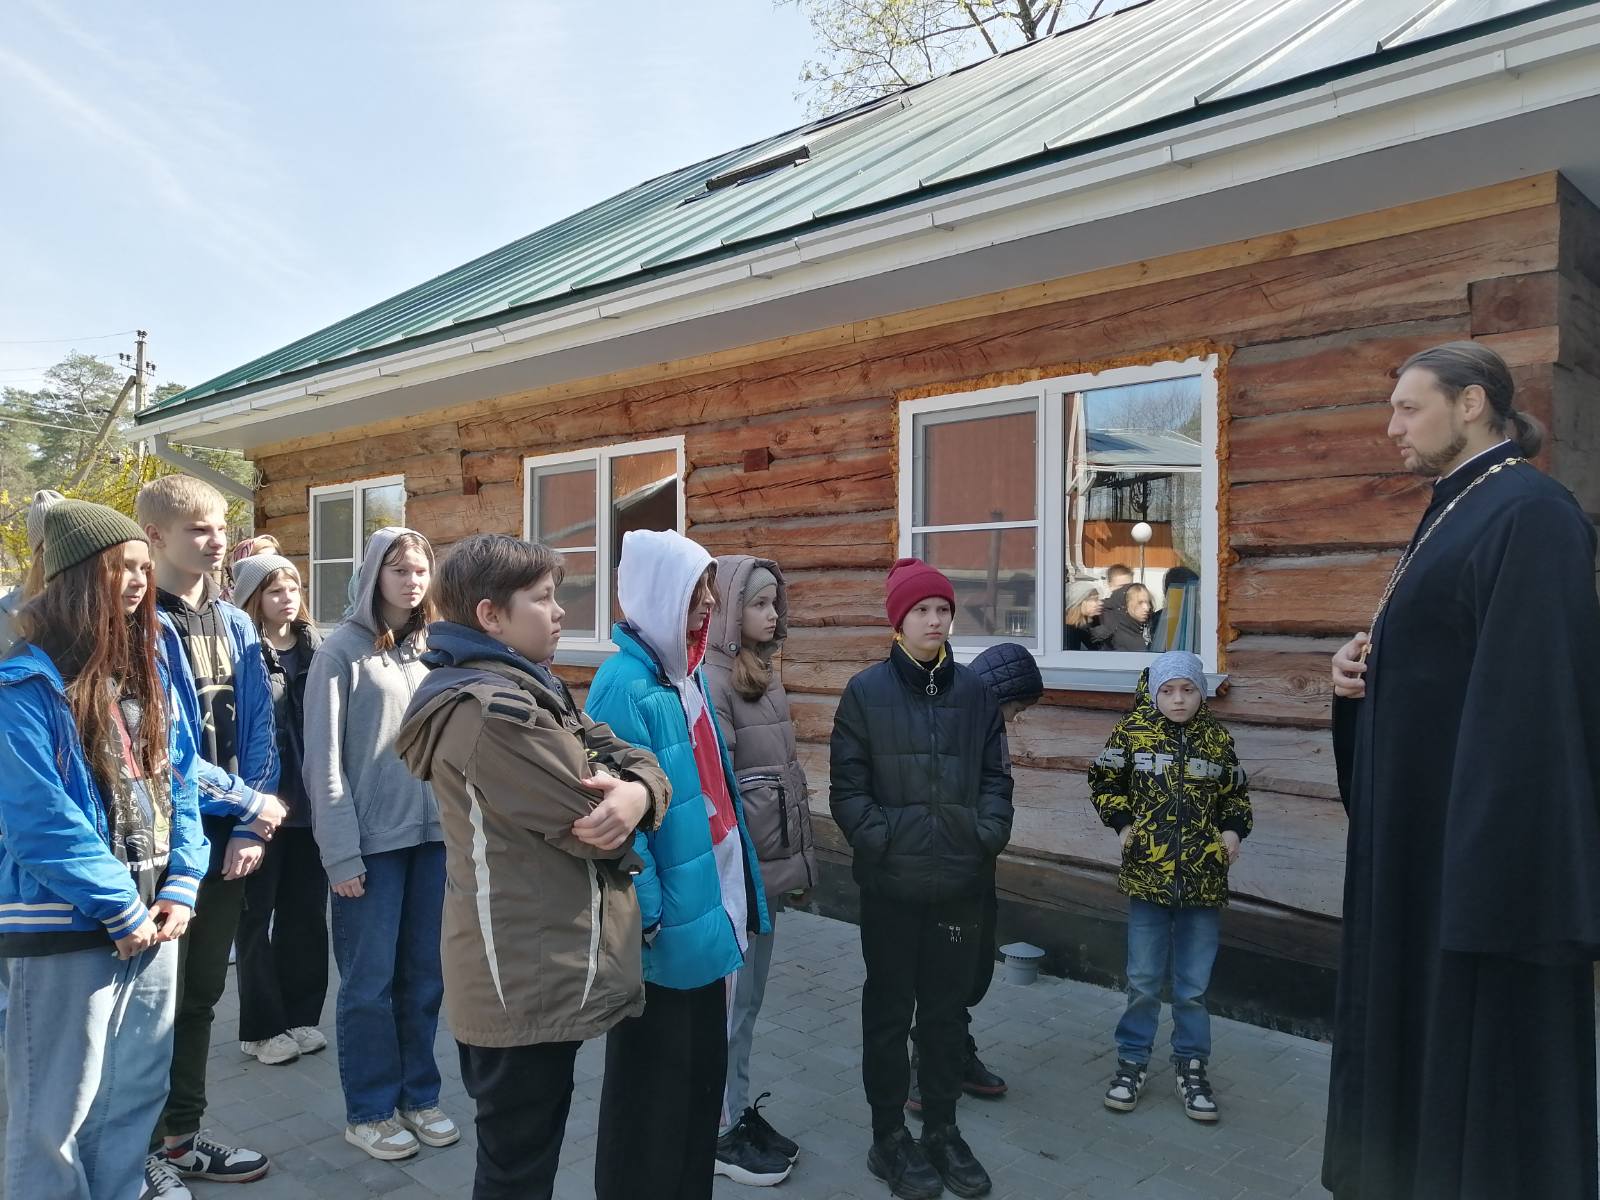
[90,337]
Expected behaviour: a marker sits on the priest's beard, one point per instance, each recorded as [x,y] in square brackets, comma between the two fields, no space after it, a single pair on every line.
[1434,464]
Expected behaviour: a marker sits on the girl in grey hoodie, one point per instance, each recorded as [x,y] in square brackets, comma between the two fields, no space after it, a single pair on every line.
[377,828]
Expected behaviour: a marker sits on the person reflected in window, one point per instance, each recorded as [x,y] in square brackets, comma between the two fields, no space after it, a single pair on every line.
[1085,606]
[1127,619]
[1118,575]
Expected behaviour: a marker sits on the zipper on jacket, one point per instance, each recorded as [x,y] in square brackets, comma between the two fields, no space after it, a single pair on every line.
[1178,808]
[783,817]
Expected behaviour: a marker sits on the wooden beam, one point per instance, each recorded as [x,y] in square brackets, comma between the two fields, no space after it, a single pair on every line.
[1331,595]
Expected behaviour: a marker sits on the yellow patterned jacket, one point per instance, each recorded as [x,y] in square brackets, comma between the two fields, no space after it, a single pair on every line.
[1180,787]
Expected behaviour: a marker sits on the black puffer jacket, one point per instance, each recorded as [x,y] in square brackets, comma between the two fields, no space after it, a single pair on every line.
[921,785]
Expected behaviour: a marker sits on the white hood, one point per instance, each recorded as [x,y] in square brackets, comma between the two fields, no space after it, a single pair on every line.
[655,583]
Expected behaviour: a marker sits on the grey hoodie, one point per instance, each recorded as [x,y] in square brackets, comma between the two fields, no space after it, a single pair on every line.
[363,799]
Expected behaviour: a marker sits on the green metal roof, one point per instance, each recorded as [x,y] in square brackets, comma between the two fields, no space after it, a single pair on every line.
[1156,65]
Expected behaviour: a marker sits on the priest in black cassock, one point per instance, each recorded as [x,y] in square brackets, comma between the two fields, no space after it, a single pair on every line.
[1467,732]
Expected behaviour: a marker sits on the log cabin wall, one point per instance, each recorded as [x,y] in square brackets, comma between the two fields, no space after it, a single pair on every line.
[1316,507]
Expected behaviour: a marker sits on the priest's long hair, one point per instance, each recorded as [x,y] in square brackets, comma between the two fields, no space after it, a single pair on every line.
[1459,365]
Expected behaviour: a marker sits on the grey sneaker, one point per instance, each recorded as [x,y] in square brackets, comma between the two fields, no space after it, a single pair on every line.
[430,1125]
[279,1048]
[385,1140]
[1126,1084]
[309,1038]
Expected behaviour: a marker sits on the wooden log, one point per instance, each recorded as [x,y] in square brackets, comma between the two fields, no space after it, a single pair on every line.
[857,541]
[1312,444]
[862,425]
[1279,681]
[1296,516]
[853,481]
[447,518]
[1580,232]
[1579,319]
[1331,595]
[293,532]
[1513,302]
[493,466]
[1525,347]
[353,454]
[1355,366]
[1575,424]
[834,597]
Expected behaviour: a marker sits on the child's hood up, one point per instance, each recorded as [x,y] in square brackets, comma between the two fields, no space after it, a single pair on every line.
[656,581]
[360,610]
[727,622]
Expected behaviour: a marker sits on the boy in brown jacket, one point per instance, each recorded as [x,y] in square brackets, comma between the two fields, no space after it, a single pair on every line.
[539,806]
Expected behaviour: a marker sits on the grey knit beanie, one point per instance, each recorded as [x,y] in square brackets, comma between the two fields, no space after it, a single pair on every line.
[1177,664]
[43,501]
[1080,590]
[759,578]
[75,531]
[248,574]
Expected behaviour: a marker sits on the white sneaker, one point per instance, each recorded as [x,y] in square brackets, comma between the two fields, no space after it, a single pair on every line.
[309,1038]
[385,1140]
[430,1125]
[162,1182]
[279,1048]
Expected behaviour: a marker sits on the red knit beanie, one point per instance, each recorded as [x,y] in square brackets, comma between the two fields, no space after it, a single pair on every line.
[910,582]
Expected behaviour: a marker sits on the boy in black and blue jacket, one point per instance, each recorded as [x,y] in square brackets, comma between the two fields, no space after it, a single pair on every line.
[213,651]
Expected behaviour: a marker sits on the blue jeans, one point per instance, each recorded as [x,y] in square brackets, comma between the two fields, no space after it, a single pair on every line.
[390,984]
[1159,938]
[88,1051]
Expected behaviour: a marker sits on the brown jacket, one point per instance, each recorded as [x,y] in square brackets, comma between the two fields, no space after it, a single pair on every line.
[541,935]
[760,738]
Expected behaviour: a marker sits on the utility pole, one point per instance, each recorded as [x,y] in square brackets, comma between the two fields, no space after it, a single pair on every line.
[141,370]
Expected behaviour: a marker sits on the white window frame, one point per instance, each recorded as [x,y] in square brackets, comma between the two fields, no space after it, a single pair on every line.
[599,647]
[357,490]
[1083,670]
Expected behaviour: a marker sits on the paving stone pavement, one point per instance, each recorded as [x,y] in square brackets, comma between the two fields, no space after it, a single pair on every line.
[1050,1137]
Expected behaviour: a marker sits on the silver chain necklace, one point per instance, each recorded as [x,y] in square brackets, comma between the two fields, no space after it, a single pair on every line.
[1405,559]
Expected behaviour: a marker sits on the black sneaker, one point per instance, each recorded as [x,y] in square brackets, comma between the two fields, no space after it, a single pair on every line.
[952,1158]
[742,1160]
[1198,1102]
[900,1162]
[977,1079]
[1126,1084]
[762,1132]
[201,1158]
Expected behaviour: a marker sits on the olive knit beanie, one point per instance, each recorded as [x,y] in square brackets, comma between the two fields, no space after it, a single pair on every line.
[75,530]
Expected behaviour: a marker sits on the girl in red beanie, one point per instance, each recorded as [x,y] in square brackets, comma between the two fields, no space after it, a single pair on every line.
[921,787]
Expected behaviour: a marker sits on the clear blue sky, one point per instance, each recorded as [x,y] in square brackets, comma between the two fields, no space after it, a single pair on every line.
[231,176]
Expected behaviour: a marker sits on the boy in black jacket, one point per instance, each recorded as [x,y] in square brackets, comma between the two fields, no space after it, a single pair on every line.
[921,787]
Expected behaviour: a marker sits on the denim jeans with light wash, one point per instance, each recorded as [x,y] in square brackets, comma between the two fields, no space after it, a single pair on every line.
[747,987]
[1168,944]
[88,1051]
[390,983]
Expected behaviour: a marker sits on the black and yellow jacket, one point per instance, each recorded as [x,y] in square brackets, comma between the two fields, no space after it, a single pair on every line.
[1181,788]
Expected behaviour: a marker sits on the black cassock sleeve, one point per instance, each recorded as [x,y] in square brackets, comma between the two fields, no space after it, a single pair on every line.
[1522,838]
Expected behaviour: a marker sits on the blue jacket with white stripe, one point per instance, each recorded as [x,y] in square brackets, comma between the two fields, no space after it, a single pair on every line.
[57,871]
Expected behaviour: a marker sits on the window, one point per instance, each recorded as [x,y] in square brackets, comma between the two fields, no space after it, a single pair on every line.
[343,517]
[1027,495]
[583,503]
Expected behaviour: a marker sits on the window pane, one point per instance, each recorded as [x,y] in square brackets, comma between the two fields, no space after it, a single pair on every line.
[644,495]
[336,526]
[330,585]
[976,469]
[576,595]
[381,506]
[563,505]
[995,574]
[1136,453]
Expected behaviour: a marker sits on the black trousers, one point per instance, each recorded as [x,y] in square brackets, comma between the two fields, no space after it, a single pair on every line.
[920,962]
[283,939]
[983,970]
[661,1101]
[523,1094]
